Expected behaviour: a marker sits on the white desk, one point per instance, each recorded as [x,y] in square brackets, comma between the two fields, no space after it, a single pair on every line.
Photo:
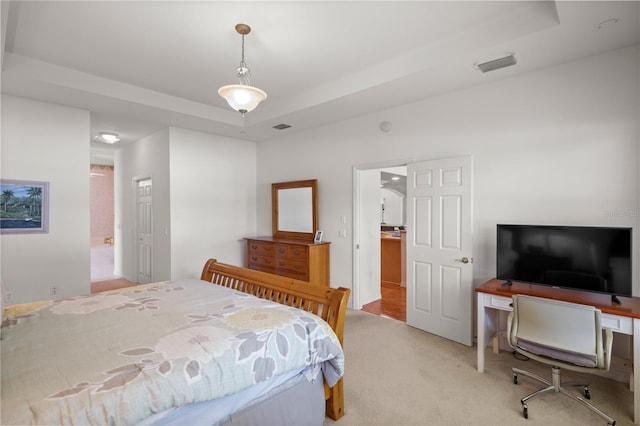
[624,318]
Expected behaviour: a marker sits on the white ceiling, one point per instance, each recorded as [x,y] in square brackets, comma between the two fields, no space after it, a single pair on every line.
[142,66]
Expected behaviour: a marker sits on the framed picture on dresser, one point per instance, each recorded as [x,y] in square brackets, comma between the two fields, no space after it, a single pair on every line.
[318,237]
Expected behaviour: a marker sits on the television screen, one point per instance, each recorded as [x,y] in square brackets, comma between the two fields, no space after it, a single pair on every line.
[580,257]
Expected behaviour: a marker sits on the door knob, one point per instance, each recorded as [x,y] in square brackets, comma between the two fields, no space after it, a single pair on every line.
[463,260]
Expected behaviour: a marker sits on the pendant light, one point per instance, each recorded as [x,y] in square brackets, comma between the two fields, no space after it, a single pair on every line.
[242,97]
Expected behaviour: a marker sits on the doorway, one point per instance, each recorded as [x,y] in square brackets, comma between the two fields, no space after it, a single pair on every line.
[380,215]
[103,244]
[102,222]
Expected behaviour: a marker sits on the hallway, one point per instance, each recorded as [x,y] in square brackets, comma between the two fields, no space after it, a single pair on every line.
[102,276]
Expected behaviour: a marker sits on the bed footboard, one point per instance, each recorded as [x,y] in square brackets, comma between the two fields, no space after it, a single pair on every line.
[328,303]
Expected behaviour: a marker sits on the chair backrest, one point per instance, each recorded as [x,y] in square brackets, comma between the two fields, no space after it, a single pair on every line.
[553,329]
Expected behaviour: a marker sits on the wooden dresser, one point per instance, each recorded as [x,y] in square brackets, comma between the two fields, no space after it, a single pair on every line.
[299,259]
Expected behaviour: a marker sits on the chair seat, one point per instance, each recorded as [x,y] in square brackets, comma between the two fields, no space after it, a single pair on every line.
[576,358]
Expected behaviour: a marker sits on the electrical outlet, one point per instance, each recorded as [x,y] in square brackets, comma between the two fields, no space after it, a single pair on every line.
[9,296]
[53,290]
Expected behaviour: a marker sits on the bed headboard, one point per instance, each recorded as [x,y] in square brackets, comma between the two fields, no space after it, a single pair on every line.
[328,303]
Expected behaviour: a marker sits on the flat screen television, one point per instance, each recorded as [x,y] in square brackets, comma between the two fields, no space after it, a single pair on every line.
[596,259]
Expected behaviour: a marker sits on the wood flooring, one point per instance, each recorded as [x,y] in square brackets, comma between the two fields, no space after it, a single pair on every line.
[393,303]
[99,286]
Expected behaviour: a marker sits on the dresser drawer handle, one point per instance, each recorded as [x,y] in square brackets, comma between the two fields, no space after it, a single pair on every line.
[254,246]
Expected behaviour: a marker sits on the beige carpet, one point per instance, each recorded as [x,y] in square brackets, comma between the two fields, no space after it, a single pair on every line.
[398,375]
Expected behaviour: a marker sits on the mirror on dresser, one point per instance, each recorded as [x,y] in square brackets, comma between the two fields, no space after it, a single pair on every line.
[294,209]
[291,250]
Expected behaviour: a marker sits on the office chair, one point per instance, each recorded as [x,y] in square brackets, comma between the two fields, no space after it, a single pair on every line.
[564,335]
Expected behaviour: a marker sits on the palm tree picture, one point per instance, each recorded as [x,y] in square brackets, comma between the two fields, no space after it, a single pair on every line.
[23,207]
[7,195]
[35,198]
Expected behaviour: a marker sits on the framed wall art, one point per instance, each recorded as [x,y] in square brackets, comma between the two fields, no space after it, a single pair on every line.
[24,207]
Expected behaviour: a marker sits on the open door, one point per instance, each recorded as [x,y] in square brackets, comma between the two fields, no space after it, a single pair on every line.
[439,248]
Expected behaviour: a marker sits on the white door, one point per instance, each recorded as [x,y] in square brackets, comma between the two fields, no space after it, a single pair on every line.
[439,257]
[144,231]
[367,238]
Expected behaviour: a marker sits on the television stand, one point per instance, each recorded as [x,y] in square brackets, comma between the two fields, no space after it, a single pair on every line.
[614,299]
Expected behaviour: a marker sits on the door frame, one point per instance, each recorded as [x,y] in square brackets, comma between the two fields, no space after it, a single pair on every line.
[356,221]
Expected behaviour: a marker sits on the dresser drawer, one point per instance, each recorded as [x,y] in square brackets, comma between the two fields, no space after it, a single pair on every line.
[297,266]
[256,247]
[271,265]
[291,251]
[262,261]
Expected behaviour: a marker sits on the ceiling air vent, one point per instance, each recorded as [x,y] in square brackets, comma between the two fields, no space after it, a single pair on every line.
[496,64]
[281,126]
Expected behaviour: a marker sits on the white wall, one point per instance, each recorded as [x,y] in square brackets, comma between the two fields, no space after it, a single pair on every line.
[213,200]
[557,146]
[46,142]
[204,200]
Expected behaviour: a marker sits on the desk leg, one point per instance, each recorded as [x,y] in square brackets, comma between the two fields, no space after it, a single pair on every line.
[482,332]
[636,370]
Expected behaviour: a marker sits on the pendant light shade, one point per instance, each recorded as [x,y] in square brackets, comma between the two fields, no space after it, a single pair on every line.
[242,97]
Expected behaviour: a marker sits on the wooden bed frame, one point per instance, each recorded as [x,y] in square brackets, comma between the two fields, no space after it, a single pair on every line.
[328,303]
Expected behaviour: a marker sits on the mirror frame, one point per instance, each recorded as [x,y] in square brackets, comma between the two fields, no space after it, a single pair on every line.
[275,187]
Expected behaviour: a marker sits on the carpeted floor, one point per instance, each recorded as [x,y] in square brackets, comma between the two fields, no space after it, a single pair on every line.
[399,375]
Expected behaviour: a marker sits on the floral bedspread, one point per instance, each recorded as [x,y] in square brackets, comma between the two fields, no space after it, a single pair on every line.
[120,356]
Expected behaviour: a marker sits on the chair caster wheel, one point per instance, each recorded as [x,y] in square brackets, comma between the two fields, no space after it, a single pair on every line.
[586,392]
[525,412]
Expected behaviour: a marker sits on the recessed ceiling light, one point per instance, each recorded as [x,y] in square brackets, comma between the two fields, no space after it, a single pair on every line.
[107,137]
